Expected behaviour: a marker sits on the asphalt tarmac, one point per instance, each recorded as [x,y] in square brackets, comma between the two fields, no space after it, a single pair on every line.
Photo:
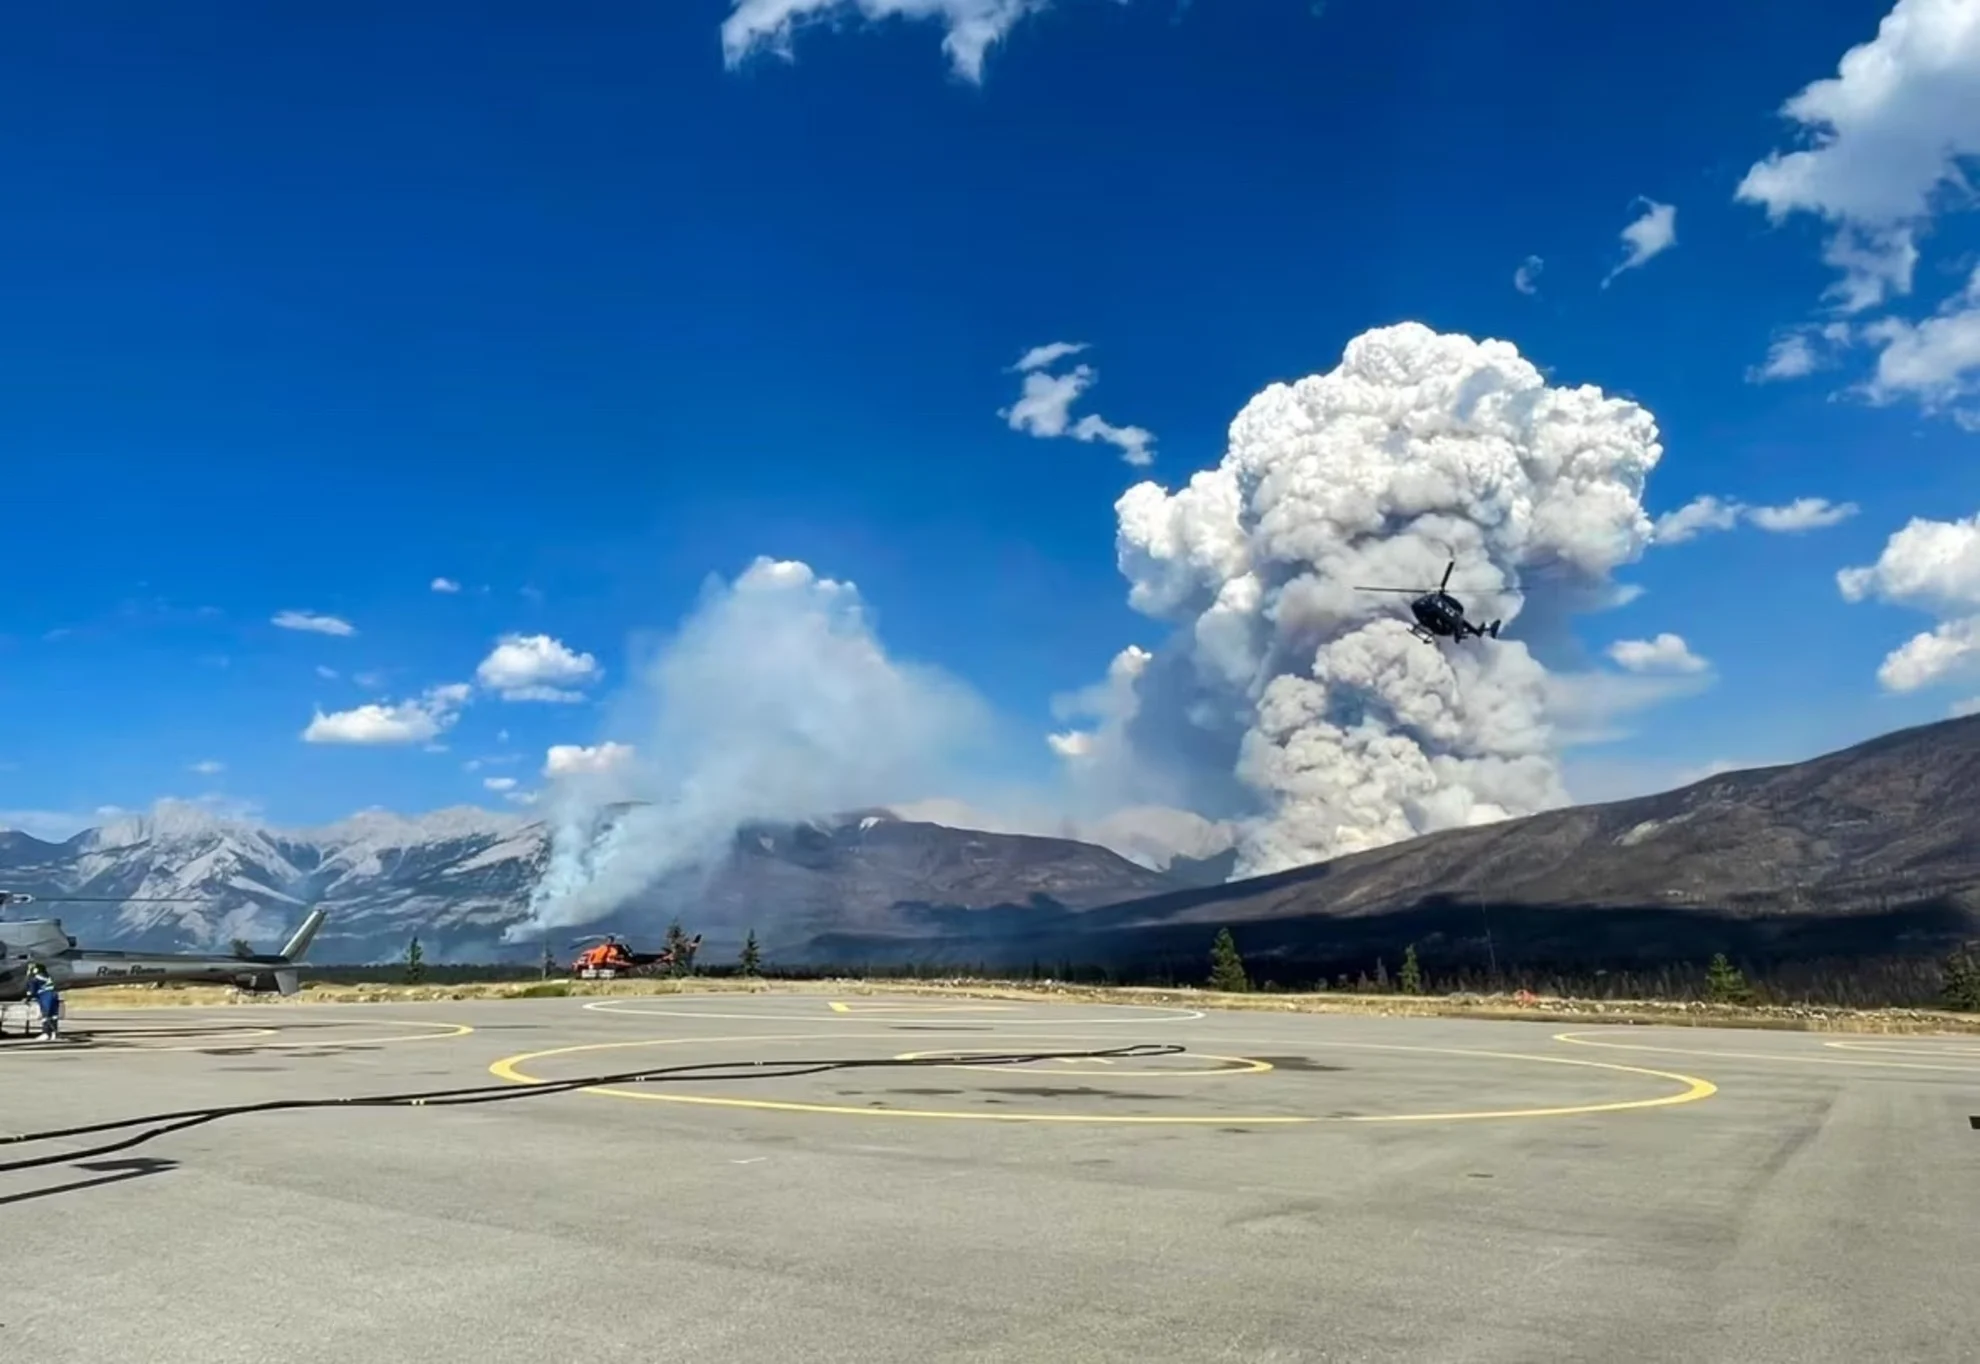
[1288,1188]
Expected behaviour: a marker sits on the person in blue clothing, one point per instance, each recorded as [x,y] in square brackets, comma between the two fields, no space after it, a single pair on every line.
[42,991]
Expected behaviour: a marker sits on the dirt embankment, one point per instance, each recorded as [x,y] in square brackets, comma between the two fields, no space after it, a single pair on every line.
[1530,1008]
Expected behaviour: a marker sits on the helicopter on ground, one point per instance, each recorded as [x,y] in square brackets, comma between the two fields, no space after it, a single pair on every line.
[24,942]
[1438,614]
[614,957]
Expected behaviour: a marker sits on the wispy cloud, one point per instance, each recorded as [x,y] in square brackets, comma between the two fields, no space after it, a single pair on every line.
[311,621]
[1045,407]
[418,720]
[1648,237]
[1709,513]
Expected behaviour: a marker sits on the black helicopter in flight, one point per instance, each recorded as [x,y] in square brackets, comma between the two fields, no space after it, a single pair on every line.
[1438,614]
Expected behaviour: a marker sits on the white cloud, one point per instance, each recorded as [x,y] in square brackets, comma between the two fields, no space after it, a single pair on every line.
[208,767]
[972,27]
[1667,653]
[309,620]
[1045,407]
[1790,357]
[1709,513]
[1797,352]
[328,674]
[1648,236]
[535,668]
[775,700]
[566,760]
[1804,513]
[445,585]
[1041,357]
[1696,517]
[1887,135]
[1937,361]
[499,783]
[406,722]
[1948,652]
[1526,279]
[1932,566]
[1961,709]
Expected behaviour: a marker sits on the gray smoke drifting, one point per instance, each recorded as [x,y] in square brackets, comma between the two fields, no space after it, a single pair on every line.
[774,702]
[1306,707]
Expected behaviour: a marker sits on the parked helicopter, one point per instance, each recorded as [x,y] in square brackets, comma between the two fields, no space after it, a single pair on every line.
[23,942]
[614,957]
[1438,614]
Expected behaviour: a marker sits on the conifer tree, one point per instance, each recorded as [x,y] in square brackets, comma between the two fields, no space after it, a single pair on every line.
[677,944]
[1226,966]
[751,961]
[415,962]
[1724,984]
[1961,989]
[1411,979]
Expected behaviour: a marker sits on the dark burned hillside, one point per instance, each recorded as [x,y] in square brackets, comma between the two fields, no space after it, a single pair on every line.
[1872,851]
[870,872]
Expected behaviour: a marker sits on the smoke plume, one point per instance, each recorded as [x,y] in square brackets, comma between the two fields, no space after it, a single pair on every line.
[775,701]
[1291,699]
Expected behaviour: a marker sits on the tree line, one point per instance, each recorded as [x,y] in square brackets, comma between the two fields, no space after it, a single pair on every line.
[1952,982]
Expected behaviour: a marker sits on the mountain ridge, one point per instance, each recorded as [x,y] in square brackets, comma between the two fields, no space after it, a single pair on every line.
[1872,848]
[461,878]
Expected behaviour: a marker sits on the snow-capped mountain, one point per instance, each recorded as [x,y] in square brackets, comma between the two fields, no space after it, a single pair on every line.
[460,878]
[457,877]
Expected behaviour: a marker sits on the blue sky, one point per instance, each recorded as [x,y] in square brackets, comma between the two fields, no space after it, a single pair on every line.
[306,309]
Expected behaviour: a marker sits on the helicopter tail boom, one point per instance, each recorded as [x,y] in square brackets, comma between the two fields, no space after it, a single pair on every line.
[298,945]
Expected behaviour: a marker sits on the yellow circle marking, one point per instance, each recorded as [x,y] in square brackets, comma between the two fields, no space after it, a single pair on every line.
[1237,1065]
[508,1068]
[203,1037]
[1582,1040]
[1914,1046]
[453,1030]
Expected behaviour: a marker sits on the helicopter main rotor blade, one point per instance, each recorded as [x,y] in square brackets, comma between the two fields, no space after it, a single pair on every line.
[26,898]
[1447,576]
[1412,590]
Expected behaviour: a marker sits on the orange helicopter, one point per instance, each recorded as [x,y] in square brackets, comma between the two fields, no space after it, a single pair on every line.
[612,957]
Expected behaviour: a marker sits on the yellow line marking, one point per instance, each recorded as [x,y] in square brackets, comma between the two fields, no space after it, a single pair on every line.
[862,1007]
[1166,1015]
[508,1068]
[1914,1046]
[1582,1040]
[453,1030]
[1239,1065]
